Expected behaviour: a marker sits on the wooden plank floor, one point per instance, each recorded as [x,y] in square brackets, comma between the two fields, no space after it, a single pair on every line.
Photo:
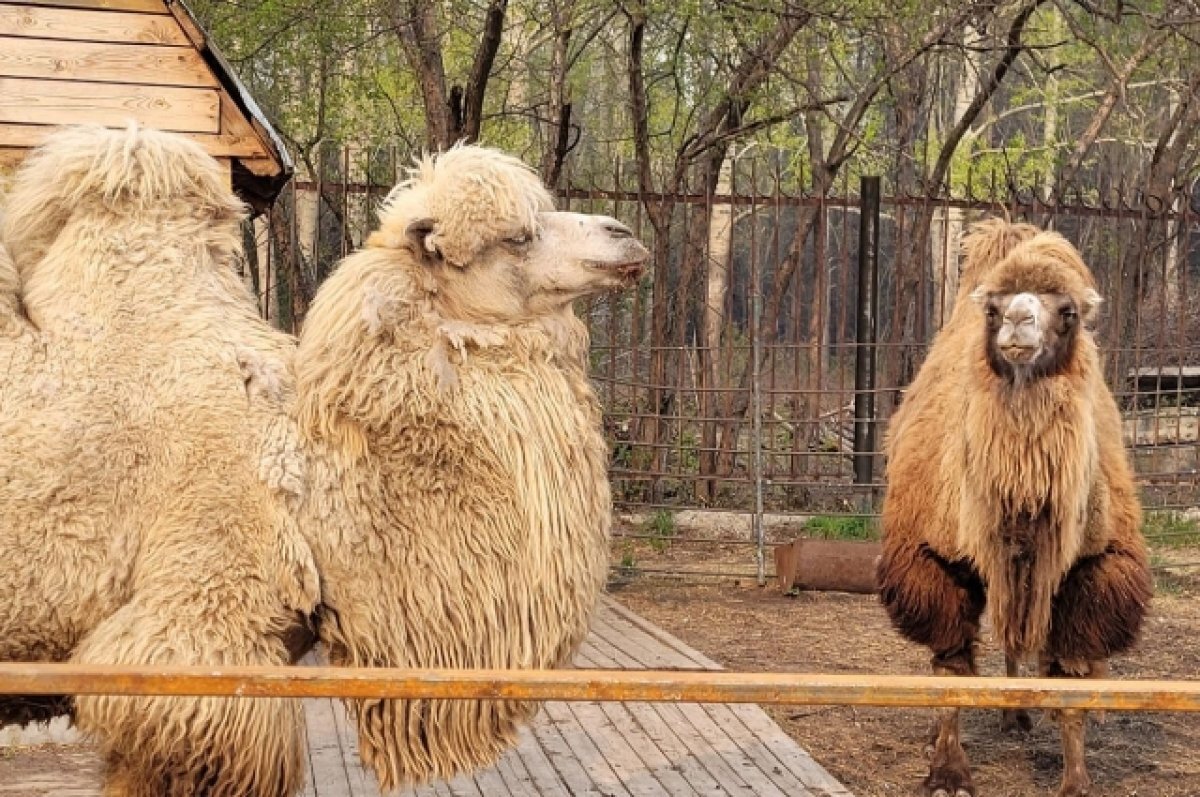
[608,749]
[572,750]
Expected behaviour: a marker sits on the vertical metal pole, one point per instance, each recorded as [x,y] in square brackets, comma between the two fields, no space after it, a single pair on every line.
[756,401]
[868,314]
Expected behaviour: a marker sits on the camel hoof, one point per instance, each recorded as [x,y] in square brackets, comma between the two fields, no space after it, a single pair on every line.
[1016,721]
[1075,790]
[950,782]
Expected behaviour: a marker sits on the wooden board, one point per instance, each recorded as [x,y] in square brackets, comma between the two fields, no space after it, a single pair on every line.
[10,157]
[144,6]
[75,24]
[153,64]
[50,102]
[219,145]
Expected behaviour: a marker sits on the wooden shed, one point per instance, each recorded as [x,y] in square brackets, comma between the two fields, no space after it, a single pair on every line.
[109,61]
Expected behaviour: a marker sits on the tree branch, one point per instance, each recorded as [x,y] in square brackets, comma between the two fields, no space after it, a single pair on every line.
[481,69]
[1013,49]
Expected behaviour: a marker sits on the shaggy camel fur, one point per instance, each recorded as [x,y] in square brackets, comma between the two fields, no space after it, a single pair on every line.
[459,473]
[166,496]
[134,525]
[1008,484]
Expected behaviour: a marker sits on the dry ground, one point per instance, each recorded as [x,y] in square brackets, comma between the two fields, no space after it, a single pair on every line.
[878,752]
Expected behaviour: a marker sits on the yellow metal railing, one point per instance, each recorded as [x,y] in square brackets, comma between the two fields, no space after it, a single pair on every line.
[38,678]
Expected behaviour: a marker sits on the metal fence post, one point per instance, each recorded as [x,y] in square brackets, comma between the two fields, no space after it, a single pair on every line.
[867,329]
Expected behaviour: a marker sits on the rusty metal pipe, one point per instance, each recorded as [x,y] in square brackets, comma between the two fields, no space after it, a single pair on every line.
[602,685]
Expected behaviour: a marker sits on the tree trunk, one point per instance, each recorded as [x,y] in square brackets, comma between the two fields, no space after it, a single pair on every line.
[556,133]
[716,290]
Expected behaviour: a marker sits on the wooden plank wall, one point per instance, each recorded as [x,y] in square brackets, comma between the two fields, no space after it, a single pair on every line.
[106,62]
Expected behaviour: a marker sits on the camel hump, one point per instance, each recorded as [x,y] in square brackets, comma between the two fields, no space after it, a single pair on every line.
[986,243]
[127,173]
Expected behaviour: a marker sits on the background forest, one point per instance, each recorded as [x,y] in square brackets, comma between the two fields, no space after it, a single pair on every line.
[733,135]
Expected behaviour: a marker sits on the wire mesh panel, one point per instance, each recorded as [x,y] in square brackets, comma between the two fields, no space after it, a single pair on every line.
[728,375]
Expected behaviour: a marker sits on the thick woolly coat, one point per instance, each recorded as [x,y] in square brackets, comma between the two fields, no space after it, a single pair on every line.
[167,498]
[1012,487]
[134,525]
[458,472]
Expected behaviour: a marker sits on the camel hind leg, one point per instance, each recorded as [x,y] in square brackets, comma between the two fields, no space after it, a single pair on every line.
[1014,719]
[204,603]
[191,746]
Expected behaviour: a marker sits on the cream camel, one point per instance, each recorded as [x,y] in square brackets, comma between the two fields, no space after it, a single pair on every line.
[433,494]
[459,505]
[133,524]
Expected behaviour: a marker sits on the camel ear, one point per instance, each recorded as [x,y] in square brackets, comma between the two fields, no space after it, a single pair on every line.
[979,295]
[1091,305]
[420,235]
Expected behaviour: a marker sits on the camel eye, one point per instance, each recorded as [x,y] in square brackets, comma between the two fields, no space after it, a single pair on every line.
[1068,314]
[992,315]
[521,239]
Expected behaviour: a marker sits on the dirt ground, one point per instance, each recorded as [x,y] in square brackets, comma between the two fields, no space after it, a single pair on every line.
[878,752]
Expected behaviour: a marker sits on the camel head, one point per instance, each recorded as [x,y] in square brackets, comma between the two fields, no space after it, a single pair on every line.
[1035,303]
[491,246]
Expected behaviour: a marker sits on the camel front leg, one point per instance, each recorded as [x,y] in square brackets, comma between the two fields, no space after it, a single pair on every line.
[1014,719]
[1072,724]
[949,770]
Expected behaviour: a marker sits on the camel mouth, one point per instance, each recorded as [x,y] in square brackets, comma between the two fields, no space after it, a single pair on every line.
[1020,355]
[627,272]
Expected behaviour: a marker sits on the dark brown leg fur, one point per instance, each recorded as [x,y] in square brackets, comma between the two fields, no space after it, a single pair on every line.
[1099,608]
[25,709]
[931,600]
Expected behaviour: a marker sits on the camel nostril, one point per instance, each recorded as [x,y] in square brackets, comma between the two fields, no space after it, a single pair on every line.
[618,230]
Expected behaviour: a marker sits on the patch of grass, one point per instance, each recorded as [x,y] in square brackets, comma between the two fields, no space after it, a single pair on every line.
[1170,530]
[661,528]
[841,527]
[628,565]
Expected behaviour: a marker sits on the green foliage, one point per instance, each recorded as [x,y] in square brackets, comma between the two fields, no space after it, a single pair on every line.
[841,527]
[661,528]
[1170,530]
[628,564]
[337,71]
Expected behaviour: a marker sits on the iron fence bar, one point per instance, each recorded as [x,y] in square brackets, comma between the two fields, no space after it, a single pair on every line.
[691,686]
[868,326]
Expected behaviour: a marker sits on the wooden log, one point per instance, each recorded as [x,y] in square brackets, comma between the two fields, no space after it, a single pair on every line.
[56,102]
[102,62]
[832,565]
[78,24]
[815,689]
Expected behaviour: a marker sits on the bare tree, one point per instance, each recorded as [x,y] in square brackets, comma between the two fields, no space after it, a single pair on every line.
[720,121]
[453,112]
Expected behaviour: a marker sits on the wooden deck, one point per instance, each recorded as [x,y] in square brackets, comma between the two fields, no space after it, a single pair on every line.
[577,749]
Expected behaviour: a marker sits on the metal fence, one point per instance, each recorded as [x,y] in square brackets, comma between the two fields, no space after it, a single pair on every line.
[737,375]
